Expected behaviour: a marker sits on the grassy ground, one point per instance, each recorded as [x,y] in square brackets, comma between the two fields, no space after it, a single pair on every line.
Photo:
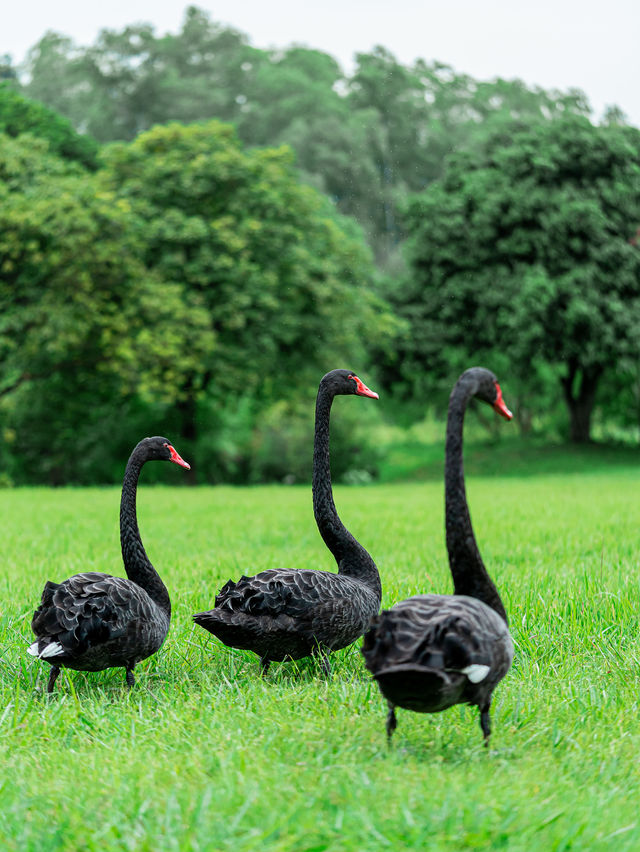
[205,755]
[416,460]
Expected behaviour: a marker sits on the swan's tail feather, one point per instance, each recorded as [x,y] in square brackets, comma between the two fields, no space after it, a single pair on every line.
[476,672]
[425,670]
[419,688]
[43,649]
[235,629]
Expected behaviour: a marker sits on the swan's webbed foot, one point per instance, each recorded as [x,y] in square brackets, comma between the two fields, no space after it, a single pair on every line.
[130,678]
[392,722]
[264,665]
[485,723]
[53,676]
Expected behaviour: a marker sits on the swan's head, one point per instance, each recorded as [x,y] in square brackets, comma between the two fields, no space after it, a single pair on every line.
[488,390]
[161,449]
[346,381]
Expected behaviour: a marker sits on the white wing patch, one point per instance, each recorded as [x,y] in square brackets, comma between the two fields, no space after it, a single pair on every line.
[475,672]
[50,650]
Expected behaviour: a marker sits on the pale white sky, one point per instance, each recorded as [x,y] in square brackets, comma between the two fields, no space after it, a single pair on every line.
[587,44]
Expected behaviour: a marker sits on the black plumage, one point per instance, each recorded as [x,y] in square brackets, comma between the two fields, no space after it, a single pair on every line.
[430,652]
[288,614]
[93,621]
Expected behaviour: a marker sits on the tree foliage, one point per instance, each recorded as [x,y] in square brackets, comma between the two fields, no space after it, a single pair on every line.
[365,139]
[188,278]
[527,247]
[81,317]
[21,115]
[283,281]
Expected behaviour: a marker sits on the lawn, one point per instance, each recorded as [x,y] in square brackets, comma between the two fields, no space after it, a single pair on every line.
[204,754]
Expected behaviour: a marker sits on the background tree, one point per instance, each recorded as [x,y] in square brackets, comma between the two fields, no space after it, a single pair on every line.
[296,97]
[129,80]
[525,247]
[194,285]
[84,326]
[21,115]
[283,279]
[7,70]
[367,140]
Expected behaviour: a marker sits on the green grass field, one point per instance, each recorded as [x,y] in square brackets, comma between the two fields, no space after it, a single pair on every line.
[203,754]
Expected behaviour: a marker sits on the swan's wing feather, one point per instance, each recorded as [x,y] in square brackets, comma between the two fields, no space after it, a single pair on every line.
[289,613]
[276,592]
[86,610]
[433,651]
[441,632]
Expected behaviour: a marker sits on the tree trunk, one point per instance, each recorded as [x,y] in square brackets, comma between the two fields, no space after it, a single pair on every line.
[580,398]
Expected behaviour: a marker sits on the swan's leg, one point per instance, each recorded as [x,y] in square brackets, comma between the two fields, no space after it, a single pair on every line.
[485,723]
[392,722]
[264,665]
[53,676]
[129,677]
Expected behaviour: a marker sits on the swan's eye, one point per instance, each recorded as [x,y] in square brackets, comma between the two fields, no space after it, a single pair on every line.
[165,444]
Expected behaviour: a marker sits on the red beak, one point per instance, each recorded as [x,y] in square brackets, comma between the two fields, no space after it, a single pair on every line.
[363,390]
[499,405]
[178,459]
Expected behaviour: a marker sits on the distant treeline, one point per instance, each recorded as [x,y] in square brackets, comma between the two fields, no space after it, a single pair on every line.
[193,279]
[365,139]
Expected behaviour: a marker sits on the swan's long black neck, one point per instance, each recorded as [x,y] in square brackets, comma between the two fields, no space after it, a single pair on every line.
[136,562]
[353,560]
[469,574]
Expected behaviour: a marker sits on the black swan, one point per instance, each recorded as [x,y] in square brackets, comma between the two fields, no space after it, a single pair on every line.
[430,652]
[94,621]
[288,614]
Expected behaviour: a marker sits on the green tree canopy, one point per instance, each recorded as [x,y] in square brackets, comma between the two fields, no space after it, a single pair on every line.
[21,115]
[129,80]
[365,139]
[525,248]
[283,279]
[83,323]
